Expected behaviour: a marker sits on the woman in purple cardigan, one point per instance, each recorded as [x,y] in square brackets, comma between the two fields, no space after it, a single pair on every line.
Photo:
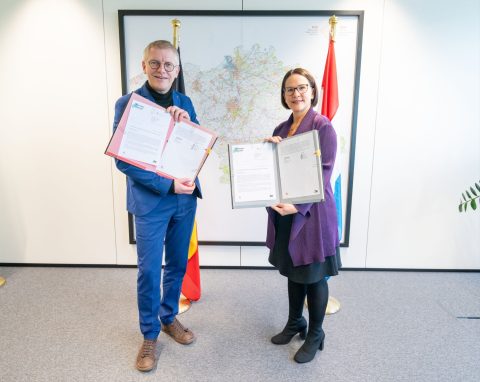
[303,238]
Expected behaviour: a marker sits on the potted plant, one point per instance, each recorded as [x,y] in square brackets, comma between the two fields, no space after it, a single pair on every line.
[470,197]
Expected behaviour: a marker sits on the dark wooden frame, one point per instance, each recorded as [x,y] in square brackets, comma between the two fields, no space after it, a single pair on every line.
[359,14]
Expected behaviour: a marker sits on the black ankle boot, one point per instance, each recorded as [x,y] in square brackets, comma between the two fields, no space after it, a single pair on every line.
[314,341]
[290,330]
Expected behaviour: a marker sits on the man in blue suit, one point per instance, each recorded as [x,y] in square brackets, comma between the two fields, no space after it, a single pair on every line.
[164,211]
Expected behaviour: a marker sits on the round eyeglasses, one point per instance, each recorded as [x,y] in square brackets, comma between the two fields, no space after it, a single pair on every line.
[302,89]
[168,66]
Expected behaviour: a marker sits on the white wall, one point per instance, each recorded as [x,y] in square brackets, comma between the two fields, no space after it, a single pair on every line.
[427,137]
[56,185]
[417,148]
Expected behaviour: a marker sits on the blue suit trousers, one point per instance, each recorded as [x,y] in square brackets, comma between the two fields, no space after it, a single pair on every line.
[170,222]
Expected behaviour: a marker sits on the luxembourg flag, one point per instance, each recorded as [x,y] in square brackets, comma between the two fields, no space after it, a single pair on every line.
[329,108]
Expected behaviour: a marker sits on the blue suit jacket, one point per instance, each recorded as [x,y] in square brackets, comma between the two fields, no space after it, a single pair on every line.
[145,189]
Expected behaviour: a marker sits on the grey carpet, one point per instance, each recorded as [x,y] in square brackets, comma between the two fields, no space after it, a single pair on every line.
[80,324]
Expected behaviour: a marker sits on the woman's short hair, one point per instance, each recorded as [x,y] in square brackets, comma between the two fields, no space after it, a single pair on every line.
[305,73]
[159,44]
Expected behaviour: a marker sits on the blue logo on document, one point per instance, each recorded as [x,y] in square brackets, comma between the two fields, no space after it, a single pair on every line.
[137,106]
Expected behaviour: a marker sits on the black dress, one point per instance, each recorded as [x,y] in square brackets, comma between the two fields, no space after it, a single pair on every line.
[303,274]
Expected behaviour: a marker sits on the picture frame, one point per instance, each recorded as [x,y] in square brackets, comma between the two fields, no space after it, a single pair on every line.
[257,47]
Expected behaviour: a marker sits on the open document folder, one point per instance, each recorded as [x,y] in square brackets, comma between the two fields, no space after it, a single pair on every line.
[264,174]
[149,138]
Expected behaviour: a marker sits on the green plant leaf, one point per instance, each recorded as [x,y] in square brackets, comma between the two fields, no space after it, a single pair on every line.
[469,197]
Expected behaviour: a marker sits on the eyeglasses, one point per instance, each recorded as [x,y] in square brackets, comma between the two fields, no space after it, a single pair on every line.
[302,89]
[168,66]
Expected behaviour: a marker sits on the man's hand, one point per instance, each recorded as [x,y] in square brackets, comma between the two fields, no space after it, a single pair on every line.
[178,114]
[285,209]
[183,186]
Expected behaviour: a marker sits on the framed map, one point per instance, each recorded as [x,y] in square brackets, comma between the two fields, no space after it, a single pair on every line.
[233,64]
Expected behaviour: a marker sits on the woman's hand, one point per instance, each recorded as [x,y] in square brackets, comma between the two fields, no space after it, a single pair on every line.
[178,114]
[285,209]
[275,139]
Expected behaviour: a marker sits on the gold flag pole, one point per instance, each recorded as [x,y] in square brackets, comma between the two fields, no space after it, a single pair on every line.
[333,21]
[176,25]
[333,305]
[2,281]
[184,303]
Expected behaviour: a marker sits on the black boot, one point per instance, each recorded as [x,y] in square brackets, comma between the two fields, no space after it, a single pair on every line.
[290,330]
[317,297]
[314,342]
[296,322]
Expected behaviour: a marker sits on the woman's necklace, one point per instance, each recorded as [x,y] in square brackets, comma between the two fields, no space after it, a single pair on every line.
[294,126]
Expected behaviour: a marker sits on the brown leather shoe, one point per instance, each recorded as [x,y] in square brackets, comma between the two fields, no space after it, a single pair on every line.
[179,333]
[146,355]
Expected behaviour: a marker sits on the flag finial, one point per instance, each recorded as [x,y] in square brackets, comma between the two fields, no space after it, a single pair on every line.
[333,21]
[176,25]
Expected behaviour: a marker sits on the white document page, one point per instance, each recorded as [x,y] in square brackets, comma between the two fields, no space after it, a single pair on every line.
[298,167]
[185,151]
[254,172]
[145,133]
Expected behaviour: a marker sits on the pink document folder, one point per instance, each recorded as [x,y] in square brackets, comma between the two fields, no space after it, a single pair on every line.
[114,145]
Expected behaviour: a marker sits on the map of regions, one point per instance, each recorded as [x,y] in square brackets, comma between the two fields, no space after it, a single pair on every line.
[233,65]
[239,98]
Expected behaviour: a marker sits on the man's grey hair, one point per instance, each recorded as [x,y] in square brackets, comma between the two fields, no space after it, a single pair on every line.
[160,44]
